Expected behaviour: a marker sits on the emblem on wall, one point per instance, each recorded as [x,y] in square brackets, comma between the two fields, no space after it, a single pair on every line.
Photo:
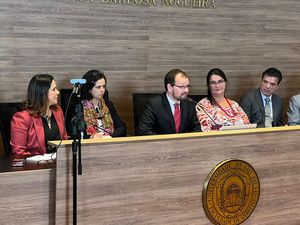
[231,192]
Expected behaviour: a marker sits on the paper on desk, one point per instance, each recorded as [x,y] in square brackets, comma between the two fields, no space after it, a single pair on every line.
[37,158]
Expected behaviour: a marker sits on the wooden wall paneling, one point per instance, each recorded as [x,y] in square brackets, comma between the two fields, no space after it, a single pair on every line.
[136,46]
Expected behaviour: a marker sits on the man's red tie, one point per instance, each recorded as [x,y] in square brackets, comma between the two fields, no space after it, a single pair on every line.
[177,116]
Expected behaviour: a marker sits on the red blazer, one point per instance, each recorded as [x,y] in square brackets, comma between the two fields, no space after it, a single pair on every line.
[28,135]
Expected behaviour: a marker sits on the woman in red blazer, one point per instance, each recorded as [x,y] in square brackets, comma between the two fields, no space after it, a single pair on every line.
[40,120]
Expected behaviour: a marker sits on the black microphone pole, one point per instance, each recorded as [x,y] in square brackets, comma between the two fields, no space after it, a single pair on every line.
[77,128]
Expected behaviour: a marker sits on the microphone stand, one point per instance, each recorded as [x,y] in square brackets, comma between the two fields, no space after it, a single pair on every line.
[215,126]
[100,128]
[77,124]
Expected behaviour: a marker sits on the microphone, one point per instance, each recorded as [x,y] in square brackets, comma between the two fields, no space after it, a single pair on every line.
[98,112]
[100,128]
[78,81]
[76,84]
[215,126]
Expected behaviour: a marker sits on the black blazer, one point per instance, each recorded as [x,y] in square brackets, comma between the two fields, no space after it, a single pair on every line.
[252,104]
[120,128]
[157,117]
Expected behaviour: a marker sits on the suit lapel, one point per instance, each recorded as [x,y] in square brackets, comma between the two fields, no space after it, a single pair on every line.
[259,101]
[60,123]
[274,108]
[168,112]
[40,133]
[183,116]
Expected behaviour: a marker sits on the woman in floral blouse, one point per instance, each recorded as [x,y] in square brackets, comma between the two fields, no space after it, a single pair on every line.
[216,110]
[100,115]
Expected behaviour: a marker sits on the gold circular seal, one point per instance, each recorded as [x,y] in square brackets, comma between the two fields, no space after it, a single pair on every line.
[231,192]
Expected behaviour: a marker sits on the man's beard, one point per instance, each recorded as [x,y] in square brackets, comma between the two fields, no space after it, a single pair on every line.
[183,96]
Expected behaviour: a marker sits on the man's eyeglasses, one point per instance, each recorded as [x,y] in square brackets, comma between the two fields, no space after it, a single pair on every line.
[182,87]
[219,82]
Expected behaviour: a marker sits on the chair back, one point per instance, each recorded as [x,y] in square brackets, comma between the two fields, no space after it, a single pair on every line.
[7,110]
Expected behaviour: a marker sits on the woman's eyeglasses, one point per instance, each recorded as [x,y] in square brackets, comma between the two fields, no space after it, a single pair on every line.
[219,82]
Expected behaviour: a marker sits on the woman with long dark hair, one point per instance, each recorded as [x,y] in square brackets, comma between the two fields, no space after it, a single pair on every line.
[40,119]
[216,110]
[100,115]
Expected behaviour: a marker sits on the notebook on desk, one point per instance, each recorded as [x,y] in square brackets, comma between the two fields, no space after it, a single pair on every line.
[239,127]
[41,158]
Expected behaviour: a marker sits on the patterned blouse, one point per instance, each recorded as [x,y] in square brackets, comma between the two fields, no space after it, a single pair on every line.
[207,114]
[97,119]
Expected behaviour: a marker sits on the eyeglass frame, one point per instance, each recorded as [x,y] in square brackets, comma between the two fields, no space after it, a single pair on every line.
[219,82]
[182,87]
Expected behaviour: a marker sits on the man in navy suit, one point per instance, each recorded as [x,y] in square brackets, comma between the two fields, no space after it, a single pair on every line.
[254,102]
[159,116]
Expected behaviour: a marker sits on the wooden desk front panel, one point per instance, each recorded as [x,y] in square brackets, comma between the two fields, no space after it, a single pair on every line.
[27,197]
[160,182]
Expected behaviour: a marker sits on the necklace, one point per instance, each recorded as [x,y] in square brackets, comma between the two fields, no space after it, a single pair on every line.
[97,107]
[229,115]
[48,119]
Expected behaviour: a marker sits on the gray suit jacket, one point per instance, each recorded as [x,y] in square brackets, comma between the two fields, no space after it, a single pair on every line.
[252,104]
[294,110]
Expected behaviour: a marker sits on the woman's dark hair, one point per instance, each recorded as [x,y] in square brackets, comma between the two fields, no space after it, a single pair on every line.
[215,71]
[91,77]
[37,94]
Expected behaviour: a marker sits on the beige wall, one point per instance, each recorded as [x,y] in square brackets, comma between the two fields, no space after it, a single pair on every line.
[135,46]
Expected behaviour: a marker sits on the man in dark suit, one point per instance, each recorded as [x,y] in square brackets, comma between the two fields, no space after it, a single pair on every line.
[170,112]
[262,106]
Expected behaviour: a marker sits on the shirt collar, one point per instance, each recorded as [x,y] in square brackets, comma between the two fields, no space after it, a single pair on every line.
[264,96]
[171,101]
